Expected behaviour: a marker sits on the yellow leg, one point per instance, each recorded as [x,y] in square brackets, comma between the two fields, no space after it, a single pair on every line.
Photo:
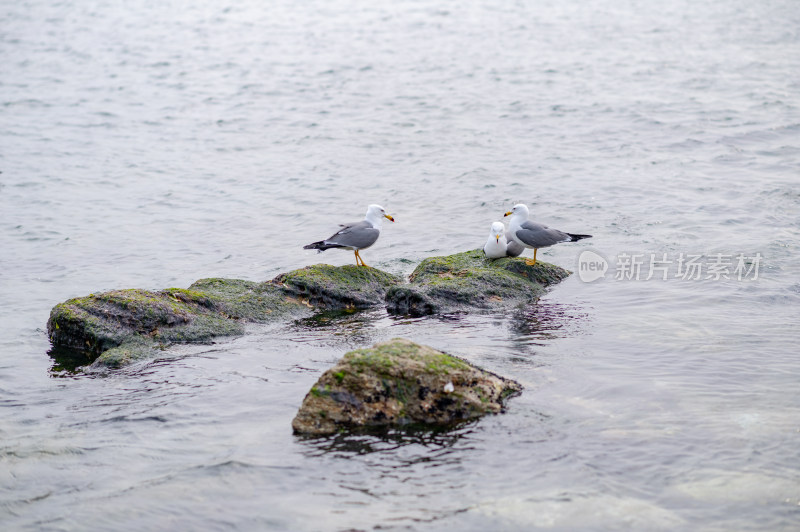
[358,257]
[356,254]
[528,261]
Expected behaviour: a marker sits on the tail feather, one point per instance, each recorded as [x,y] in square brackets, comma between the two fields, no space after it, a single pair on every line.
[575,238]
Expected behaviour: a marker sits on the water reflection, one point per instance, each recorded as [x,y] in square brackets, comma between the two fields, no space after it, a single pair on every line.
[68,362]
[387,440]
[337,330]
[331,317]
[545,321]
[346,322]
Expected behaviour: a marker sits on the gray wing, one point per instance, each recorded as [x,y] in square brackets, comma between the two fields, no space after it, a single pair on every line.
[513,249]
[358,235]
[540,236]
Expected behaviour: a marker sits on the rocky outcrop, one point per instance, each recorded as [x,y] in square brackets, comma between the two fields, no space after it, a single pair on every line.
[470,280]
[400,383]
[120,326]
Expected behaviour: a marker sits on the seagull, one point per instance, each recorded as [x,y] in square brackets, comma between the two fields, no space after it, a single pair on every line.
[357,235]
[535,235]
[499,244]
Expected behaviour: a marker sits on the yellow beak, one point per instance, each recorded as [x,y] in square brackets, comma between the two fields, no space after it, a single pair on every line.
[508,213]
[387,216]
[497,237]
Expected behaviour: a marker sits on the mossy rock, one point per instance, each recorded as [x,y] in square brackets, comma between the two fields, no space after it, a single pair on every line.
[120,326]
[470,280]
[338,287]
[127,353]
[99,322]
[400,383]
[139,321]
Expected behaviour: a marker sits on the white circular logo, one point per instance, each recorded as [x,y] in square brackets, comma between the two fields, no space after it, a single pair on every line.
[591,266]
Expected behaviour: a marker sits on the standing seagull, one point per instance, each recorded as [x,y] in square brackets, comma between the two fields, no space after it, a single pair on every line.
[357,235]
[499,244]
[535,235]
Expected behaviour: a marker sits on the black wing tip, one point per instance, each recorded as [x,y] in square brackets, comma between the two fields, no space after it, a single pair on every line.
[321,246]
[575,238]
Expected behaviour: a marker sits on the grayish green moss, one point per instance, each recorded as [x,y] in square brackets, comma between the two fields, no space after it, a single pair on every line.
[129,319]
[127,353]
[340,287]
[398,383]
[470,280]
[121,326]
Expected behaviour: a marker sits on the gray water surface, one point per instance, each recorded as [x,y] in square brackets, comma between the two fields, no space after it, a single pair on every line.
[152,144]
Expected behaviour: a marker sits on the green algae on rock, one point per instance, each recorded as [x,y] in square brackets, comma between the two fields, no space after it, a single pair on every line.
[120,326]
[339,287]
[99,322]
[400,383]
[470,280]
[245,300]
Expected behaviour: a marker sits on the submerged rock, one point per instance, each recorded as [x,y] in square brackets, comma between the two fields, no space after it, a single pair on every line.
[120,326]
[470,280]
[398,383]
[99,322]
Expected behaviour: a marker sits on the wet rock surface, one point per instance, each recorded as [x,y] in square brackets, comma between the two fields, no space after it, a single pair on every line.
[342,287]
[470,280]
[396,384]
[121,326]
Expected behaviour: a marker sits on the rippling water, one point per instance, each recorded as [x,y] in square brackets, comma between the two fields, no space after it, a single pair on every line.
[150,145]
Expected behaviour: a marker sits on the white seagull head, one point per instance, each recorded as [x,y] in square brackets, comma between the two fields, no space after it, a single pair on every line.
[376,214]
[520,210]
[498,230]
